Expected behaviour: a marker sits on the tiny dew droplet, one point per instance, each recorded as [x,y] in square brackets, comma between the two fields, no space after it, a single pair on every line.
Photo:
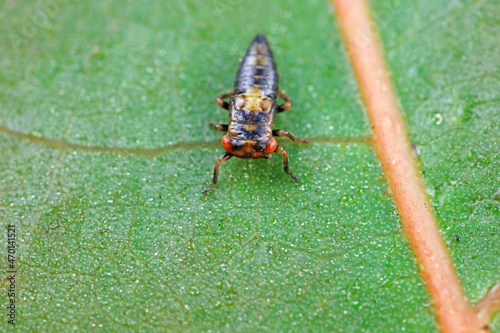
[438,118]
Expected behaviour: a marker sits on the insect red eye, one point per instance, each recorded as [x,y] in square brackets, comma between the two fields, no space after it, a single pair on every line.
[271,146]
[226,142]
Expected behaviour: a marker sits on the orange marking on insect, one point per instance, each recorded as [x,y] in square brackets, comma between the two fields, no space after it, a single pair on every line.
[262,49]
[239,103]
[253,104]
[254,92]
[262,60]
[226,142]
[266,105]
[250,127]
[271,146]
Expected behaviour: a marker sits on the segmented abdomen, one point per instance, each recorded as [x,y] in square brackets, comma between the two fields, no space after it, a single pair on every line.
[257,70]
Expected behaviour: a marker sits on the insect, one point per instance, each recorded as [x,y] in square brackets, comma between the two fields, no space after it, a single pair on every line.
[252,107]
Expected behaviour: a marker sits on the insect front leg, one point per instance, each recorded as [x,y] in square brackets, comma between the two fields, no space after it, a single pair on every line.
[282,133]
[288,102]
[281,150]
[221,99]
[221,160]
[219,127]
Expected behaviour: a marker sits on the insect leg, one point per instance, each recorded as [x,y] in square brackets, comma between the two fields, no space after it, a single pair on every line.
[288,102]
[221,99]
[221,160]
[282,133]
[281,150]
[219,127]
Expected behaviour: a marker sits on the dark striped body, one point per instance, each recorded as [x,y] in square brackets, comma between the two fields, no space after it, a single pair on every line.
[253,105]
[257,69]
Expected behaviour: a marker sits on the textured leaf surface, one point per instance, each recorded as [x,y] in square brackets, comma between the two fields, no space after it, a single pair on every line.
[446,74]
[114,241]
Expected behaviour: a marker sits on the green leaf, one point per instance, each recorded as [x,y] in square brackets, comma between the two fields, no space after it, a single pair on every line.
[112,231]
[446,74]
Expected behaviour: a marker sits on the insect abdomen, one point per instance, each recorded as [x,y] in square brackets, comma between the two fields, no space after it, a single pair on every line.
[257,70]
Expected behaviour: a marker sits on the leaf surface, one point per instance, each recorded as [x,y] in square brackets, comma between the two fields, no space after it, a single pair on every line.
[445,71]
[123,240]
